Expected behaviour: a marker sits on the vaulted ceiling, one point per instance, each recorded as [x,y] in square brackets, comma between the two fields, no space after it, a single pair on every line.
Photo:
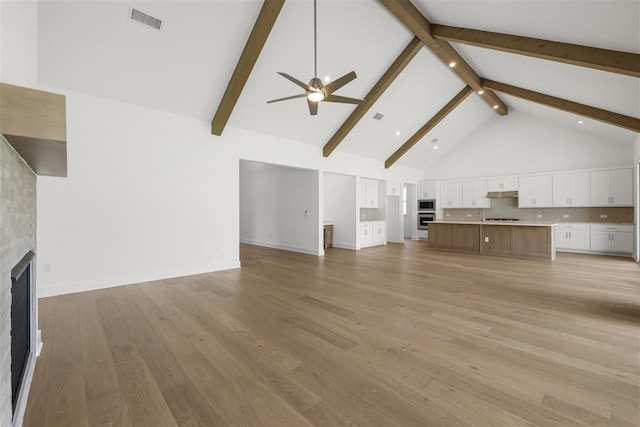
[186,66]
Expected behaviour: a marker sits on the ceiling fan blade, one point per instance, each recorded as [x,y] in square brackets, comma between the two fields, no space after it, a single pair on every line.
[338,83]
[342,99]
[302,95]
[296,81]
[313,107]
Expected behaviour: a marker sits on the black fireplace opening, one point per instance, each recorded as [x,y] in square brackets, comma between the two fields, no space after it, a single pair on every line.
[20,323]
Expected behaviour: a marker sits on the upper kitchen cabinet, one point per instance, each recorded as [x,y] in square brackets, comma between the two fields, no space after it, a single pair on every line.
[535,191]
[427,190]
[474,194]
[394,188]
[509,183]
[451,194]
[369,193]
[612,187]
[571,189]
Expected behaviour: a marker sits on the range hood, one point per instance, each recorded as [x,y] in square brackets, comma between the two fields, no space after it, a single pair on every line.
[502,194]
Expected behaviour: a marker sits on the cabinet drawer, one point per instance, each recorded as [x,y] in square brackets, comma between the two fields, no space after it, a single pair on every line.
[573,227]
[612,228]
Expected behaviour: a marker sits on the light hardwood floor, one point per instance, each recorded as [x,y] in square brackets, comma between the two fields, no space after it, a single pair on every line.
[400,335]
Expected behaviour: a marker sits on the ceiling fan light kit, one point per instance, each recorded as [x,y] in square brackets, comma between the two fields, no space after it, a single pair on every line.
[316,91]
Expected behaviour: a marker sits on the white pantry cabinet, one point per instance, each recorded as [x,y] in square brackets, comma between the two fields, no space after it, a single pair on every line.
[427,190]
[571,189]
[612,187]
[394,188]
[612,238]
[474,194]
[534,191]
[451,194]
[369,193]
[573,236]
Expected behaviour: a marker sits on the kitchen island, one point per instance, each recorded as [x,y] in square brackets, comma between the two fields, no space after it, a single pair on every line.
[510,239]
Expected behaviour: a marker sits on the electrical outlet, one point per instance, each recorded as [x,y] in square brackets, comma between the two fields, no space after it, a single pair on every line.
[486,239]
[539,216]
[306,212]
[448,215]
[603,216]
[565,215]
[47,268]
[468,215]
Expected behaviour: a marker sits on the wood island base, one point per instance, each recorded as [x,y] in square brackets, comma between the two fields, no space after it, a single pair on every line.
[534,241]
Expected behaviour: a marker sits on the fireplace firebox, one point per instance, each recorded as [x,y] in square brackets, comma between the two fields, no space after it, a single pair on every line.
[21,318]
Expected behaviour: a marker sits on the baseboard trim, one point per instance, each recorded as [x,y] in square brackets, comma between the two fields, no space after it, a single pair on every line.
[289,248]
[344,246]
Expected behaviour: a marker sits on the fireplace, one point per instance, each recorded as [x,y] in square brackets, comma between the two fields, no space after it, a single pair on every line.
[22,322]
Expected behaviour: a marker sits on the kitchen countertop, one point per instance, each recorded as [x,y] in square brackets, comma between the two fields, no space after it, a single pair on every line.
[515,223]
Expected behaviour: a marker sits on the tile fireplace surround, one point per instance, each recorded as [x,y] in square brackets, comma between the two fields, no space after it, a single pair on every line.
[17,237]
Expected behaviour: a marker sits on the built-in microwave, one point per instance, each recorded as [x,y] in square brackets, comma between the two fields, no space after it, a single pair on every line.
[427,205]
[424,218]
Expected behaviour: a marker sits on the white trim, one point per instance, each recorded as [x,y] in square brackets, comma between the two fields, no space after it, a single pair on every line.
[344,246]
[25,386]
[290,248]
[110,282]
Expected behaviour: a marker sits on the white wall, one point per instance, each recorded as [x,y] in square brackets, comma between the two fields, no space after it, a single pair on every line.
[521,144]
[19,42]
[340,208]
[153,195]
[279,207]
[636,199]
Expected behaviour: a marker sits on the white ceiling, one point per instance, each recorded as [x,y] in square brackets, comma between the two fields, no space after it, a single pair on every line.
[184,68]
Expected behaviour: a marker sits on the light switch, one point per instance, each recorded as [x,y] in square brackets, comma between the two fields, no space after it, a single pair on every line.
[486,239]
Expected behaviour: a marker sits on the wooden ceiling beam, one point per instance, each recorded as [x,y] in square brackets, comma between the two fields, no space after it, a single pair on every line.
[609,117]
[585,56]
[258,37]
[378,89]
[419,25]
[437,118]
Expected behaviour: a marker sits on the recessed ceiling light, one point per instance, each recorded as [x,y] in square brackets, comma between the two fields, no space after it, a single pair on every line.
[326,79]
[452,64]
[495,107]
[397,133]
[580,122]
[480,92]
[435,147]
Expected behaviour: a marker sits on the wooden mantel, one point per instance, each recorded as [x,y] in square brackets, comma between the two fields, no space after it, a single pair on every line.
[34,122]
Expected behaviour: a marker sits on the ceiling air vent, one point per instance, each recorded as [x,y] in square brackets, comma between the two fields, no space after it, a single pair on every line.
[145,19]
[378,116]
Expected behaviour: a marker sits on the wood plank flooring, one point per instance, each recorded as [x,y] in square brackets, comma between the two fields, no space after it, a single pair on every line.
[400,335]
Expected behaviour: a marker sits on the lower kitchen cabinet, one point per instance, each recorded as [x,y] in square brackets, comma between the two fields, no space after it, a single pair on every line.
[612,238]
[573,236]
[373,233]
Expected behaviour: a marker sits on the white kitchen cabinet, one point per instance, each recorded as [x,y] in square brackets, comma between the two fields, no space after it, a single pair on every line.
[535,191]
[379,232]
[508,183]
[571,189]
[612,187]
[427,190]
[366,233]
[612,238]
[369,196]
[451,194]
[574,236]
[373,233]
[394,188]
[474,194]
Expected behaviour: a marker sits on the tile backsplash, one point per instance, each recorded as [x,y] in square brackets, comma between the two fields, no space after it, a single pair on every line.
[508,208]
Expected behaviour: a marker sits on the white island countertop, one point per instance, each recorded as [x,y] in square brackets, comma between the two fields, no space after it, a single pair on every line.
[516,223]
